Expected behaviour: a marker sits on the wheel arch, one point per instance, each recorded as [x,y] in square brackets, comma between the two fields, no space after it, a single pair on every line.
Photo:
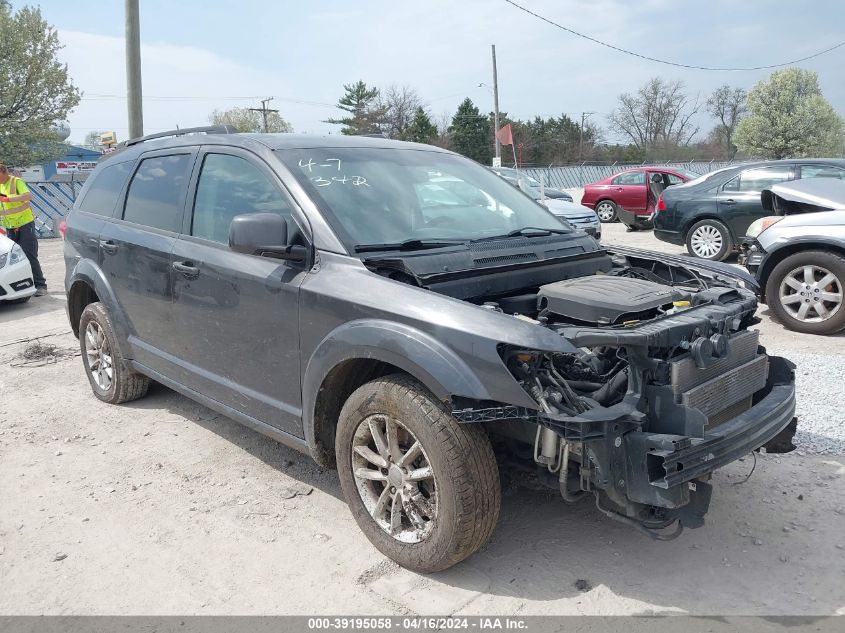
[793,248]
[87,284]
[360,351]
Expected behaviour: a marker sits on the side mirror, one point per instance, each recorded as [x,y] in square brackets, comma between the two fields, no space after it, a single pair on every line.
[265,235]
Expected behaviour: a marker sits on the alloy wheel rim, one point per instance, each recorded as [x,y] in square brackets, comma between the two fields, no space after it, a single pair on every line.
[394,478]
[605,211]
[98,352]
[706,241]
[811,294]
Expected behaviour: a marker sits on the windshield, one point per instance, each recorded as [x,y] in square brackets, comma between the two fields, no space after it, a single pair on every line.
[390,196]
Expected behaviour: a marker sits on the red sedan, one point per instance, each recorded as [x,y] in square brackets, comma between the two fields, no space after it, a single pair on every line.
[632,194]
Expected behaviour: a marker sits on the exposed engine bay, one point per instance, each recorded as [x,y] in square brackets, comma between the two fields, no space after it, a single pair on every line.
[662,384]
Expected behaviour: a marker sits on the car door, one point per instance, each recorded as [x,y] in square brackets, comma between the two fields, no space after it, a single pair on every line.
[738,200]
[135,251]
[629,191]
[236,316]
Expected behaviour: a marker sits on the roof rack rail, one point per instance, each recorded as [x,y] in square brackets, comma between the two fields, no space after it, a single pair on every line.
[207,129]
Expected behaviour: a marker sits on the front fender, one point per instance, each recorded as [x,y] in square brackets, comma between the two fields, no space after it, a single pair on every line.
[439,368]
[89,273]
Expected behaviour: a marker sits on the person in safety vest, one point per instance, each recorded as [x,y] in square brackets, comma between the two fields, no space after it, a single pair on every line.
[17,218]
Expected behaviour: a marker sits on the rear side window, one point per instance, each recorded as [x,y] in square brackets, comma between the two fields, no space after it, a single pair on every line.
[673,179]
[230,186]
[822,171]
[630,178]
[755,180]
[104,189]
[155,193]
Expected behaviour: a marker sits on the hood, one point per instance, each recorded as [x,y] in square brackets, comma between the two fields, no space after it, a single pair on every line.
[5,244]
[819,194]
[566,209]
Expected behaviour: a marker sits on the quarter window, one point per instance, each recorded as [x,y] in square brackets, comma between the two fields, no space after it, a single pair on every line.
[630,178]
[755,180]
[155,194]
[102,193]
[230,186]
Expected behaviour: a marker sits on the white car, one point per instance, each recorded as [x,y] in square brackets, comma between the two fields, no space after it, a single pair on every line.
[16,285]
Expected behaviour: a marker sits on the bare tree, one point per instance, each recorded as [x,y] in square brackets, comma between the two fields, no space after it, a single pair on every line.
[399,103]
[727,105]
[659,116]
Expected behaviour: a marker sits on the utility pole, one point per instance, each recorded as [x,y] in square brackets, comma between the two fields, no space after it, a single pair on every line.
[496,108]
[584,115]
[264,110]
[133,70]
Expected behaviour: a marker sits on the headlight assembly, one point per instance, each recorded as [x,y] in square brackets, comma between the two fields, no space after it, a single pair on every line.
[758,226]
[16,255]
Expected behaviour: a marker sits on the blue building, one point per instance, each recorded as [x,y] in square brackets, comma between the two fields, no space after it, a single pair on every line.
[76,164]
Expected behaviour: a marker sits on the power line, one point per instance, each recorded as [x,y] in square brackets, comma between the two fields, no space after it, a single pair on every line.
[663,61]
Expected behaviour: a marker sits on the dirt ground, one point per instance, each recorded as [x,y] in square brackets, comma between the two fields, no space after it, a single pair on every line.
[163,507]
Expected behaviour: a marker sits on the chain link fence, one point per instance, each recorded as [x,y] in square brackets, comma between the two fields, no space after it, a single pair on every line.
[574,176]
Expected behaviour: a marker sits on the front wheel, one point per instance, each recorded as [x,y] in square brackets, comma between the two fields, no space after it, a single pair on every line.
[606,210]
[424,489]
[709,239]
[805,291]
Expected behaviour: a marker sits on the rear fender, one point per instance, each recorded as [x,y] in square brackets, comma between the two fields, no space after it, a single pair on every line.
[87,272]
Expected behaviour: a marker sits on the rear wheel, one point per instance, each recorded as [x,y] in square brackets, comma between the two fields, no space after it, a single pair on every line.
[424,489]
[111,379]
[709,239]
[805,291]
[606,210]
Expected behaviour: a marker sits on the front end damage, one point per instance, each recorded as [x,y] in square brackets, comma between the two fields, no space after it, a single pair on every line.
[664,384]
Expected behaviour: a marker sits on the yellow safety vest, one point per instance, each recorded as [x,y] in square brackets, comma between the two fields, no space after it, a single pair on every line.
[15,214]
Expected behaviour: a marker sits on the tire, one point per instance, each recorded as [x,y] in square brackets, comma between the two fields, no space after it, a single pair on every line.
[709,239]
[606,210]
[99,348]
[464,483]
[824,299]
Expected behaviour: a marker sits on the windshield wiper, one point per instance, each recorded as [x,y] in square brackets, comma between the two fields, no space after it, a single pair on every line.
[407,245]
[525,231]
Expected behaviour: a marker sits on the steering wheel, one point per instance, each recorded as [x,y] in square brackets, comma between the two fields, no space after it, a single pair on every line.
[442,220]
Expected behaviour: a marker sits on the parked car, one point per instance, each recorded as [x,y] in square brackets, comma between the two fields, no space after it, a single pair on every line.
[512,175]
[711,214]
[798,254]
[631,195]
[16,285]
[300,286]
[574,214]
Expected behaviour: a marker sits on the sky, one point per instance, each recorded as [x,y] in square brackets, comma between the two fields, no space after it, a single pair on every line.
[198,56]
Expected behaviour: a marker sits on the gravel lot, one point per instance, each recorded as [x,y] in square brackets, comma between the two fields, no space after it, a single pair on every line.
[163,507]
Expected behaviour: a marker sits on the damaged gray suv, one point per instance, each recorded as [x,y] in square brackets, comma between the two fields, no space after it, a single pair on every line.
[404,314]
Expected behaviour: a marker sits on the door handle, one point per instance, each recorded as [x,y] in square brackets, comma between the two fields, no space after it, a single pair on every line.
[729,201]
[108,246]
[619,189]
[186,269]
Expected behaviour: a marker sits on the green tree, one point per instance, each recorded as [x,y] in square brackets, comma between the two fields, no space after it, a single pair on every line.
[366,115]
[92,139]
[35,90]
[790,118]
[246,120]
[422,128]
[471,133]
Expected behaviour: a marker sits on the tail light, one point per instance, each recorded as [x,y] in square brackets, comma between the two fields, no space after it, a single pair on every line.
[62,228]
[661,206]
[2,231]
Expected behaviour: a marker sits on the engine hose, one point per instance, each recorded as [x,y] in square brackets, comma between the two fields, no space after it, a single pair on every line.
[657,536]
[568,497]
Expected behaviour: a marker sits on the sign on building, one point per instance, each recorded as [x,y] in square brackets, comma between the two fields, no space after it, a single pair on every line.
[75,166]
